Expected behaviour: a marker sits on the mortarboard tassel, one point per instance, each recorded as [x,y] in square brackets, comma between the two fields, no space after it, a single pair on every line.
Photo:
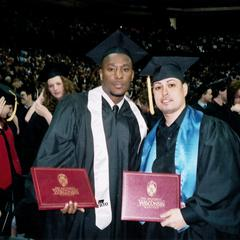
[150,99]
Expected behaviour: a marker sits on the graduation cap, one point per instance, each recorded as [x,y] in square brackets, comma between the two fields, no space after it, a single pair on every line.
[165,67]
[117,42]
[170,66]
[51,70]
[10,97]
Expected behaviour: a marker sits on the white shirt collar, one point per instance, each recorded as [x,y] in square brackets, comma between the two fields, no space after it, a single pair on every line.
[203,105]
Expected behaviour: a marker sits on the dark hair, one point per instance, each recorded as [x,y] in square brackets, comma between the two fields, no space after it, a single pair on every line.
[219,85]
[231,92]
[117,50]
[29,89]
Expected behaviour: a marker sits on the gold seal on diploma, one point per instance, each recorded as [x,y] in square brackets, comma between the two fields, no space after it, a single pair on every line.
[62,179]
[151,188]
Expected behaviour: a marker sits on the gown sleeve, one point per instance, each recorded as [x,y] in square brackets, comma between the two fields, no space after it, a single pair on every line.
[217,196]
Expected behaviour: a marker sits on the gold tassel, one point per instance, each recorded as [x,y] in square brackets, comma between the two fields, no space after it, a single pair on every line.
[150,98]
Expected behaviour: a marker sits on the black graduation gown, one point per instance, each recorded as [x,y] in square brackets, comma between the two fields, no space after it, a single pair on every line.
[69,143]
[216,110]
[31,140]
[213,212]
[234,121]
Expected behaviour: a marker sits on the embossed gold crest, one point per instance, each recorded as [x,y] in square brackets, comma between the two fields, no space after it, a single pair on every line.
[151,188]
[64,189]
[62,179]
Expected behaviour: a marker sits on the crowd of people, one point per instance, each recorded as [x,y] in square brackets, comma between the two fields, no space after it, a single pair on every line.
[29,40]
[90,108]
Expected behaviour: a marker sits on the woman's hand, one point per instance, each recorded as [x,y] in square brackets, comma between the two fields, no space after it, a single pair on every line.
[40,98]
[43,111]
[2,104]
[40,109]
[16,122]
[236,108]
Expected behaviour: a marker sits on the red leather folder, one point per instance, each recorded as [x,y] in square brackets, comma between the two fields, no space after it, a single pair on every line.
[54,187]
[146,195]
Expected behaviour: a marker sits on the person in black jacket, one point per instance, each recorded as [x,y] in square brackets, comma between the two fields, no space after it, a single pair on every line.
[202,149]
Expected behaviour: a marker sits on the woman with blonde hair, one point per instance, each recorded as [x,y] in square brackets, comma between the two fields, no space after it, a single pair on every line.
[56,85]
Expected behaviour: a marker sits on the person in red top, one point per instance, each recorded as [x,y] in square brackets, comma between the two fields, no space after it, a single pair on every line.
[10,168]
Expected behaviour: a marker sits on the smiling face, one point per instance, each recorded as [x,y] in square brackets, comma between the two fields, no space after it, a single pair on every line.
[116,75]
[169,95]
[55,87]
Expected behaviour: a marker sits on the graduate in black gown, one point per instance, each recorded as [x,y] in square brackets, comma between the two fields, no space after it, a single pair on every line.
[202,149]
[218,107]
[56,85]
[86,132]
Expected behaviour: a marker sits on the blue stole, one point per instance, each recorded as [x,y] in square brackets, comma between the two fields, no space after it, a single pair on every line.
[186,151]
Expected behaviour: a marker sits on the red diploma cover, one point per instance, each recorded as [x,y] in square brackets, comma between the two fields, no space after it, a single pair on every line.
[146,195]
[54,187]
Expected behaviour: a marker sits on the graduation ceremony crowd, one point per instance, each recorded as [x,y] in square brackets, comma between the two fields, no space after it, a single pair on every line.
[57,109]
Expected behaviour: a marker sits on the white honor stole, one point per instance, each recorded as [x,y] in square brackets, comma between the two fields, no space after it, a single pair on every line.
[103,212]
